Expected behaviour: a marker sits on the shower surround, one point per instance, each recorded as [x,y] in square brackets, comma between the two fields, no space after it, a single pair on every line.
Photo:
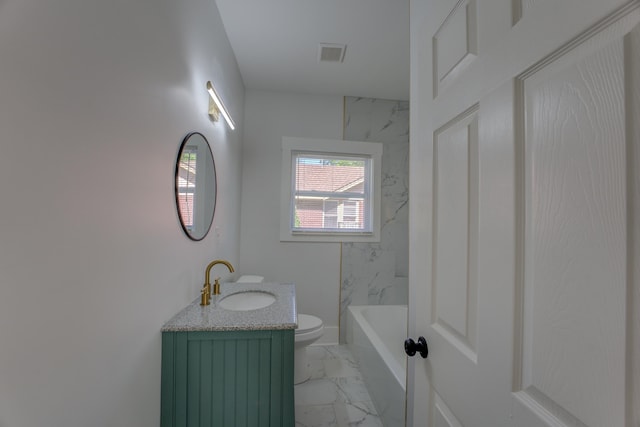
[377,273]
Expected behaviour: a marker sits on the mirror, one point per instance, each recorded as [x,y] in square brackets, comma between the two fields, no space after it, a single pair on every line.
[195,186]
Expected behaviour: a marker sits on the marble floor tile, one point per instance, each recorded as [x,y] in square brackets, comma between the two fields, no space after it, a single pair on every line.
[317,352]
[340,351]
[340,368]
[317,369]
[316,416]
[360,414]
[320,391]
[351,390]
[335,395]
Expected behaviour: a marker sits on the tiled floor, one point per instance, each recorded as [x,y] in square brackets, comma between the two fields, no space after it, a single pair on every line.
[335,396]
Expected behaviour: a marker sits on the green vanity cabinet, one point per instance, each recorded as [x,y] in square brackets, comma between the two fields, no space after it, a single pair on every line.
[227,378]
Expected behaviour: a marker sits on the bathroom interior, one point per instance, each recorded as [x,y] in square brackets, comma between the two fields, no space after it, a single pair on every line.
[95,98]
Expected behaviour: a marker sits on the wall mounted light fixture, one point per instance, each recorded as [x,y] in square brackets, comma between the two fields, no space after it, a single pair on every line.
[216,106]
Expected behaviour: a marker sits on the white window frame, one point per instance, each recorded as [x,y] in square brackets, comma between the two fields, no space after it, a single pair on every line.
[335,148]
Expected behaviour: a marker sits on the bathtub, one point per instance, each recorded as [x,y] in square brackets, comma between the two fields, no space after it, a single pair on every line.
[375,336]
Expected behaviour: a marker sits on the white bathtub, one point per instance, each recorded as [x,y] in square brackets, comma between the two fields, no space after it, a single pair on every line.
[375,335]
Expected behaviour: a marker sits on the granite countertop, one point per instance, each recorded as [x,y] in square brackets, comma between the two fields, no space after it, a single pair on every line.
[279,315]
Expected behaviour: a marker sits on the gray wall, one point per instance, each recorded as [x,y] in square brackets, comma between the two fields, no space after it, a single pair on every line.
[313,267]
[95,97]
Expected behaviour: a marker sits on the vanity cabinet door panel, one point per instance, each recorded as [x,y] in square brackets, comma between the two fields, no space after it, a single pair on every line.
[282,391]
[173,410]
[227,379]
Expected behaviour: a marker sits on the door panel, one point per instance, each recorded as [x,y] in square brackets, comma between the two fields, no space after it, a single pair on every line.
[471,373]
[573,317]
[455,194]
[455,44]
[442,414]
[525,204]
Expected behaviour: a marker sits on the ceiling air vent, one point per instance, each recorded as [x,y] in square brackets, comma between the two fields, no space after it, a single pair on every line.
[330,52]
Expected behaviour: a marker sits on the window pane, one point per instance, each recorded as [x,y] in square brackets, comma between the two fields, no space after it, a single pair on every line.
[331,222]
[331,193]
[308,213]
[350,209]
[331,207]
[329,174]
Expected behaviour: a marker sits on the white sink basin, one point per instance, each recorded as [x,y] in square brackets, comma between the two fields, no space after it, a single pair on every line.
[248,300]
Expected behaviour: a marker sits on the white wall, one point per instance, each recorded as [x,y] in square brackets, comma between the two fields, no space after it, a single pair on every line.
[313,267]
[95,97]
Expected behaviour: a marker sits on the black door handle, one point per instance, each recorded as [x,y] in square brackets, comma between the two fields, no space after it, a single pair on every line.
[411,347]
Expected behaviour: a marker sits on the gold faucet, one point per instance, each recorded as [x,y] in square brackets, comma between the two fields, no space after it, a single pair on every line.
[207,282]
[205,298]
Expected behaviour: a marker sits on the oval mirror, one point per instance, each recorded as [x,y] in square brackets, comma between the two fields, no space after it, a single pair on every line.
[195,186]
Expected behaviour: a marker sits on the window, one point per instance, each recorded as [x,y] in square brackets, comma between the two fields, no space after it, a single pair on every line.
[187,168]
[330,190]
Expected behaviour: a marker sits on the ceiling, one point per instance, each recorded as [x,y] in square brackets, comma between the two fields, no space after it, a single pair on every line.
[276,45]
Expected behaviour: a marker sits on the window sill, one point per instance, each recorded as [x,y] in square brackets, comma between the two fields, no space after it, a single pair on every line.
[329,237]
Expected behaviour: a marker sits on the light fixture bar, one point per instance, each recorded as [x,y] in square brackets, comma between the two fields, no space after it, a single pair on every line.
[220,105]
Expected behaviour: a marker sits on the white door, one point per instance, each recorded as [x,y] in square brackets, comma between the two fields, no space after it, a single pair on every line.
[525,213]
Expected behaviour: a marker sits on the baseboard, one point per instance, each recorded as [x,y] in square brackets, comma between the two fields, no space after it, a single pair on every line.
[330,336]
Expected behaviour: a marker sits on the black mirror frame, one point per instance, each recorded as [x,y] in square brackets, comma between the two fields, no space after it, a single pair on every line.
[176,190]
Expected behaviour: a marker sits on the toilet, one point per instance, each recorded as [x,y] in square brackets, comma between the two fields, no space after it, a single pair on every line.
[309,329]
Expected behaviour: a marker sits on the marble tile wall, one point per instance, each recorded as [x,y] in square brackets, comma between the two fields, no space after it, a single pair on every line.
[377,273]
